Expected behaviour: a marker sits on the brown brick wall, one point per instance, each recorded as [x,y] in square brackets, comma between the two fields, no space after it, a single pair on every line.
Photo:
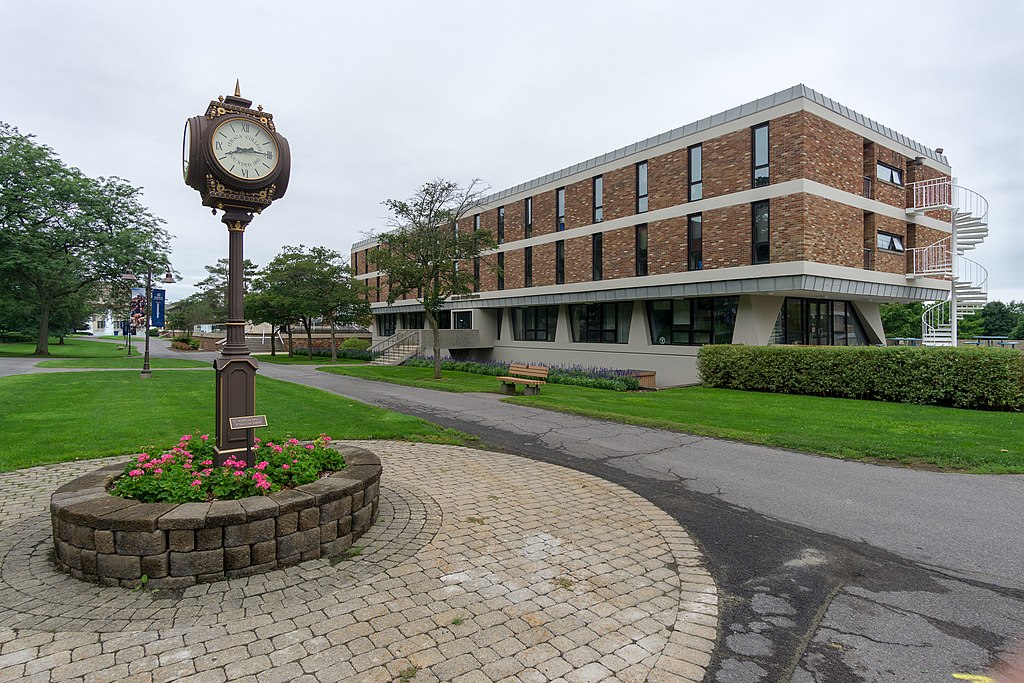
[620,253]
[579,200]
[578,259]
[727,237]
[666,246]
[831,154]
[883,191]
[727,163]
[514,269]
[833,232]
[544,265]
[620,192]
[888,262]
[667,180]
[514,221]
[544,213]
[787,218]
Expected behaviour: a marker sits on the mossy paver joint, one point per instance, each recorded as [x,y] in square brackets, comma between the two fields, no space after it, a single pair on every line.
[562,576]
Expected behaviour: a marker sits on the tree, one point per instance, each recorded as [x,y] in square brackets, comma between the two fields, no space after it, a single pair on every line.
[214,287]
[304,284]
[421,253]
[264,305]
[998,318]
[186,313]
[61,231]
[901,320]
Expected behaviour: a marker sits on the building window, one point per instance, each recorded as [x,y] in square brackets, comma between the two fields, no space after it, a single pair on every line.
[691,322]
[695,242]
[445,321]
[528,217]
[534,323]
[760,155]
[387,323]
[889,174]
[597,256]
[501,224]
[476,223]
[696,165]
[641,187]
[462,320]
[378,288]
[759,224]
[560,209]
[560,262]
[501,270]
[818,322]
[598,199]
[528,267]
[601,323]
[887,242]
[476,273]
[641,250]
[413,321]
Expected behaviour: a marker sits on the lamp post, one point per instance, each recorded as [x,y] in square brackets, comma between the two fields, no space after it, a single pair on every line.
[168,278]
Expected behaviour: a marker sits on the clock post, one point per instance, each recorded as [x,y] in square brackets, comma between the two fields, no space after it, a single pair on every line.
[235,158]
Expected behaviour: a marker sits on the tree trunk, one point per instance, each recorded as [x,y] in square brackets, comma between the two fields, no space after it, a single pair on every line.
[43,341]
[273,346]
[432,321]
[308,324]
[60,340]
[334,342]
[291,342]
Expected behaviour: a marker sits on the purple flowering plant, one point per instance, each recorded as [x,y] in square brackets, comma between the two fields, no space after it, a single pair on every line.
[186,472]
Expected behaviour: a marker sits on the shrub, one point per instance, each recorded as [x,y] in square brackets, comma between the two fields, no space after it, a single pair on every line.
[186,472]
[576,375]
[355,344]
[185,342]
[342,353]
[979,378]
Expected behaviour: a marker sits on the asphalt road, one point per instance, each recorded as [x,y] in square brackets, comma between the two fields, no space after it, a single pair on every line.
[829,570]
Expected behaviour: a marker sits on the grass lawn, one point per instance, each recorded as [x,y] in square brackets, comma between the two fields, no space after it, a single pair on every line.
[283,359]
[423,377]
[58,417]
[73,347]
[135,362]
[928,437]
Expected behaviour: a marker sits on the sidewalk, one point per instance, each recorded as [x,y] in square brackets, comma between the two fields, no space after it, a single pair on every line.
[481,567]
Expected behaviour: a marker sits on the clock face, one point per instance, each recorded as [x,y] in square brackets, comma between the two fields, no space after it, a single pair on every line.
[244,149]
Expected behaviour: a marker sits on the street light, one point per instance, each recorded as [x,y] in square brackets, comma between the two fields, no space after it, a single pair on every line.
[168,278]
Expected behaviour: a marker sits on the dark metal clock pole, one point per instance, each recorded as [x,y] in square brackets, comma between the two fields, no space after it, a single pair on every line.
[235,158]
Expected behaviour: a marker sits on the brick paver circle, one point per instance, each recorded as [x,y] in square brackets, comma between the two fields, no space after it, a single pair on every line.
[481,567]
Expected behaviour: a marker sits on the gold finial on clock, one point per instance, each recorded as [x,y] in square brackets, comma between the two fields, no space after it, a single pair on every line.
[238,90]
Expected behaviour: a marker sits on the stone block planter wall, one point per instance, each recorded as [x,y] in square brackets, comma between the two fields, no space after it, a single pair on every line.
[115,541]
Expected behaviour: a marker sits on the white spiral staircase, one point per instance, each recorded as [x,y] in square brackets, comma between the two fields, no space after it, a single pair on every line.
[945,258]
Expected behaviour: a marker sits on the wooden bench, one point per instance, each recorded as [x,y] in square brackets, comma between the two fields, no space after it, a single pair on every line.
[530,376]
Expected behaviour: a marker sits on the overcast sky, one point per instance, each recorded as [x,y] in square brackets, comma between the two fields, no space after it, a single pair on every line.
[377,97]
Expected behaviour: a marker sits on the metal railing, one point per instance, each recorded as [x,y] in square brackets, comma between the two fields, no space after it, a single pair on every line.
[935,259]
[936,193]
[972,274]
[400,338]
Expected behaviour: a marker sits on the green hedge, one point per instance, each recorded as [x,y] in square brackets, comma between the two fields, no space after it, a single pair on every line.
[575,375]
[979,378]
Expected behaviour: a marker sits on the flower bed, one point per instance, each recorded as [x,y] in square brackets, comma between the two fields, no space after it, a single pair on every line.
[119,541]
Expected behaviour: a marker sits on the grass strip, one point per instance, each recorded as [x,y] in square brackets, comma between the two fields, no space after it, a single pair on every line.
[73,347]
[302,360]
[60,417]
[135,363]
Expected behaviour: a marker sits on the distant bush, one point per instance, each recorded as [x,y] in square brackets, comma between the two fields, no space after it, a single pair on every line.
[185,342]
[576,375]
[355,344]
[979,378]
[16,337]
[342,353]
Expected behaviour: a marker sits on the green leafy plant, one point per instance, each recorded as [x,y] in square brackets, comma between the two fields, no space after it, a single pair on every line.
[186,472]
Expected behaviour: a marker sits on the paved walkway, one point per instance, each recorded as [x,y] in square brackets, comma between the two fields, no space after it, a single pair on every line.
[482,567]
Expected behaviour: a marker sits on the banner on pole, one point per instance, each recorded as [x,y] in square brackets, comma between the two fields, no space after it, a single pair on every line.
[138,307]
[157,313]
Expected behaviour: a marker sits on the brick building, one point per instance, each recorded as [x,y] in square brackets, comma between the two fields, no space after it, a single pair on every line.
[783,221]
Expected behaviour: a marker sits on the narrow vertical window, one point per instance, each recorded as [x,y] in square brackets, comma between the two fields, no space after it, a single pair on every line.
[378,288]
[641,187]
[695,242]
[696,165]
[476,223]
[476,273]
[501,224]
[759,224]
[560,262]
[759,157]
[501,270]
[598,199]
[641,250]
[597,256]
[528,217]
[560,209]
[528,267]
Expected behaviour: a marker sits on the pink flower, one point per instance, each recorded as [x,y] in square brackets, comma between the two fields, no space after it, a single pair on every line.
[261,465]
[295,462]
[186,437]
[285,466]
[142,458]
[310,446]
[158,471]
[278,449]
[293,441]
[187,466]
[207,463]
[136,473]
[196,482]
[205,437]
[257,440]
[239,474]
[263,484]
